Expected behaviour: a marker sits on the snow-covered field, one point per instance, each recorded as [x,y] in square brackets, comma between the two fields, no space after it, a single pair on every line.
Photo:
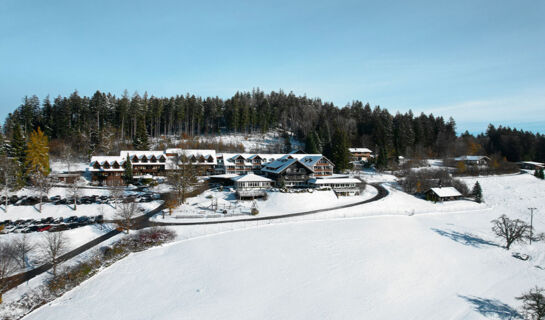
[398,258]
[278,203]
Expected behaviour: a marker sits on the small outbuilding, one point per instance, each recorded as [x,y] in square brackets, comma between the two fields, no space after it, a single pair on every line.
[531,165]
[443,194]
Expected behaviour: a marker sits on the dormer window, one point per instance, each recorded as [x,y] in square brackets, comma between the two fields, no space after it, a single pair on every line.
[201,159]
[162,159]
[153,159]
[134,159]
[210,159]
[96,165]
[106,165]
[144,159]
[115,165]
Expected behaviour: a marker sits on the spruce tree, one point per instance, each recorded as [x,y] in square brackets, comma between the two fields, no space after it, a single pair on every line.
[127,171]
[382,158]
[339,150]
[311,143]
[477,192]
[140,141]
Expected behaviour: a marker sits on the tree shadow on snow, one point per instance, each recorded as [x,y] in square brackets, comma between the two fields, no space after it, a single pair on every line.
[492,308]
[464,238]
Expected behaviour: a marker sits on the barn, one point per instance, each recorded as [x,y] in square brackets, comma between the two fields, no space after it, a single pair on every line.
[443,194]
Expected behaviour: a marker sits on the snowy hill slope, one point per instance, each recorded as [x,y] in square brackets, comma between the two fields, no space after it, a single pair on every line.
[426,266]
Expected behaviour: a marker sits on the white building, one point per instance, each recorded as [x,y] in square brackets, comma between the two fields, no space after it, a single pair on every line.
[341,186]
[251,185]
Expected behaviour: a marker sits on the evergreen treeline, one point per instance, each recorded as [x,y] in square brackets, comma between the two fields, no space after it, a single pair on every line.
[103,123]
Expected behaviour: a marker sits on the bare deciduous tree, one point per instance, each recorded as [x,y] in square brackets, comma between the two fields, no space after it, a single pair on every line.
[67,156]
[182,175]
[510,230]
[53,246]
[7,177]
[8,265]
[125,213]
[22,247]
[533,304]
[75,191]
[116,192]
[43,184]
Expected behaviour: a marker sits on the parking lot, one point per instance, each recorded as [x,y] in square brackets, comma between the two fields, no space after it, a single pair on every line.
[51,224]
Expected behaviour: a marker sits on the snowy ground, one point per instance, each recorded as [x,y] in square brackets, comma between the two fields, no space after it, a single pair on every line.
[399,258]
[250,142]
[58,166]
[277,203]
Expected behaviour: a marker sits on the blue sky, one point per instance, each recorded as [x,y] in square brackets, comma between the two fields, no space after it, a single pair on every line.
[479,61]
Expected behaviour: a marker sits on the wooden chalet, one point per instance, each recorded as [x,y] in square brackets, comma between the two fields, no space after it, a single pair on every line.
[443,194]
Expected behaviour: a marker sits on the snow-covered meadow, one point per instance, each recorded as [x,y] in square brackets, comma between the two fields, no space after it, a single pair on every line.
[277,203]
[442,264]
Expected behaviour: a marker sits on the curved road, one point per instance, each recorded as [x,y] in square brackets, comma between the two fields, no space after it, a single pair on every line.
[382,192]
[143,222]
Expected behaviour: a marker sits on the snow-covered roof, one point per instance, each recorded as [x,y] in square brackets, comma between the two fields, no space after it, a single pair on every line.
[360,150]
[446,192]
[533,163]
[279,165]
[470,158]
[251,177]
[334,181]
[267,157]
[103,159]
[224,176]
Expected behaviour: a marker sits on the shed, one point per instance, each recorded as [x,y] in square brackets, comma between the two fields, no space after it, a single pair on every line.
[443,194]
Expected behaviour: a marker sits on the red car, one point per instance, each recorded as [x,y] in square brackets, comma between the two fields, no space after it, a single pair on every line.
[44,228]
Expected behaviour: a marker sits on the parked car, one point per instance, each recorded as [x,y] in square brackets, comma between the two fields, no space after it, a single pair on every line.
[58,220]
[83,220]
[44,228]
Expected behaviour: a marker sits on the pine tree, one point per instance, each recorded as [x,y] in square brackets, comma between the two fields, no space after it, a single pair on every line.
[477,192]
[17,144]
[287,142]
[339,150]
[141,141]
[311,145]
[382,159]
[127,171]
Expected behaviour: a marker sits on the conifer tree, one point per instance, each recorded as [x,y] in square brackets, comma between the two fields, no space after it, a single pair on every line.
[17,144]
[311,143]
[37,162]
[37,153]
[141,141]
[477,192]
[382,159]
[339,150]
[127,171]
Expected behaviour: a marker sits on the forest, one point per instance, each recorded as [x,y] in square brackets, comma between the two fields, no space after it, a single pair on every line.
[105,123]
